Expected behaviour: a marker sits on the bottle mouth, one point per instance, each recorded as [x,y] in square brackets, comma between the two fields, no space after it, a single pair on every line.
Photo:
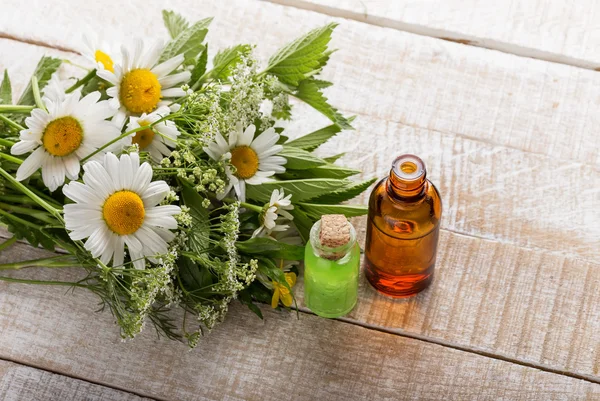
[409,168]
[329,252]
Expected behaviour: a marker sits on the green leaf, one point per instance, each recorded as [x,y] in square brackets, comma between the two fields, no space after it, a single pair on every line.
[174,23]
[324,171]
[43,72]
[316,210]
[302,58]
[301,190]
[188,42]
[299,159]
[346,193]
[272,248]
[5,90]
[226,60]
[315,139]
[309,92]
[269,269]
[199,236]
[200,67]
[333,159]
[245,297]
[303,223]
[193,276]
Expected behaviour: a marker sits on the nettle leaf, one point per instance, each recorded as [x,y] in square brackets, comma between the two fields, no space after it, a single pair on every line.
[174,23]
[299,159]
[194,277]
[315,139]
[316,210]
[303,223]
[200,67]
[270,247]
[43,72]
[333,159]
[309,92]
[226,60]
[5,90]
[302,58]
[270,269]
[199,237]
[324,171]
[346,193]
[301,190]
[188,42]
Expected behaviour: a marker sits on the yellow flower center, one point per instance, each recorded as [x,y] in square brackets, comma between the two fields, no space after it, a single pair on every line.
[144,137]
[140,91]
[62,136]
[124,212]
[105,59]
[245,160]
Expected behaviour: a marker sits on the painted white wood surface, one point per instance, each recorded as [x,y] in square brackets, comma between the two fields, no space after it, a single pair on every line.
[559,31]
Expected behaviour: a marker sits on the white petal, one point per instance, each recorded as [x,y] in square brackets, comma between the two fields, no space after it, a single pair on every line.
[165,68]
[155,193]
[173,79]
[23,147]
[31,164]
[246,138]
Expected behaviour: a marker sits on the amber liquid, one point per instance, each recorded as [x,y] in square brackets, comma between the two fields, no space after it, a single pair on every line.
[402,238]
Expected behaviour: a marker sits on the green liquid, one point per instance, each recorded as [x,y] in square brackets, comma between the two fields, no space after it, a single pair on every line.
[331,286]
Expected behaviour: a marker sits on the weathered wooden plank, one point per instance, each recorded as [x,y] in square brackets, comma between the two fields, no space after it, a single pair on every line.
[246,358]
[558,31]
[504,99]
[18,382]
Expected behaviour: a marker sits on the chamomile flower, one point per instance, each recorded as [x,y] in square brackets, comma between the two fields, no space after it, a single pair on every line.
[254,159]
[278,205]
[71,129]
[141,83]
[117,205]
[98,52]
[158,139]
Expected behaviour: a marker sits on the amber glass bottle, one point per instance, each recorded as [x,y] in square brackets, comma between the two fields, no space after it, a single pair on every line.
[403,228]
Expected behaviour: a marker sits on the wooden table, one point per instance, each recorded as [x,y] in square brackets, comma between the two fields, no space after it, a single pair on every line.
[502,101]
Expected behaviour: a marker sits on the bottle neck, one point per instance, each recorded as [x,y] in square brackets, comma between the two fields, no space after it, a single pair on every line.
[407,179]
[326,252]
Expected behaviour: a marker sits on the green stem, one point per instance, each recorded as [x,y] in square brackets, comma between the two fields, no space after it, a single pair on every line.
[7,243]
[11,123]
[20,199]
[80,82]
[250,206]
[53,211]
[41,282]
[52,262]
[5,142]
[36,93]
[16,108]
[19,220]
[37,214]
[10,158]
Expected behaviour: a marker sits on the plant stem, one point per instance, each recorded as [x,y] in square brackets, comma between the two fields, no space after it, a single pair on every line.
[16,108]
[250,206]
[53,211]
[7,243]
[5,142]
[52,262]
[41,282]
[80,82]
[36,93]
[11,158]
[19,220]
[20,199]
[37,214]
[11,123]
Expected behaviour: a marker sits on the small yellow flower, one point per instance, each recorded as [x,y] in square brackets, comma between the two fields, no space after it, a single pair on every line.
[280,291]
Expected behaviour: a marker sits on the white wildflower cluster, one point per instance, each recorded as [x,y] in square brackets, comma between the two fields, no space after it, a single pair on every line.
[184,219]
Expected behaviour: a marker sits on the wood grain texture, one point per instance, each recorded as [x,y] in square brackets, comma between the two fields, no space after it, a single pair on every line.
[18,382]
[396,76]
[246,358]
[558,31]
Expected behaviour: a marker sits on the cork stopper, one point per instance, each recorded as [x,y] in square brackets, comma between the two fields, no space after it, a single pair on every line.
[335,232]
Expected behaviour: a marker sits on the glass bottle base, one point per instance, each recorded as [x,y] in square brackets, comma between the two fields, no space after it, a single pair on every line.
[404,286]
[332,315]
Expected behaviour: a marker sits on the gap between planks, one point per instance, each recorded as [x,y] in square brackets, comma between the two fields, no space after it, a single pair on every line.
[442,34]
[83,379]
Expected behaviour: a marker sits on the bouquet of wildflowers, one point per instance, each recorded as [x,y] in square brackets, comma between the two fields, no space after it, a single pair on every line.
[166,177]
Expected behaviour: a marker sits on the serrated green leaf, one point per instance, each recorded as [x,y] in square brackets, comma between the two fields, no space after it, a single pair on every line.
[329,171]
[302,58]
[309,92]
[200,67]
[334,158]
[270,247]
[43,72]
[199,237]
[315,139]
[301,190]
[225,60]
[188,42]
[302,222]
[193,276]
[317,210]
[343,194]
[299,159]
[174,23]
[5,90]
[270,269]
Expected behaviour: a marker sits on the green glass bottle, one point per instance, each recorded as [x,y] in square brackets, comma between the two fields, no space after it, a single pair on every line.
[331,273]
